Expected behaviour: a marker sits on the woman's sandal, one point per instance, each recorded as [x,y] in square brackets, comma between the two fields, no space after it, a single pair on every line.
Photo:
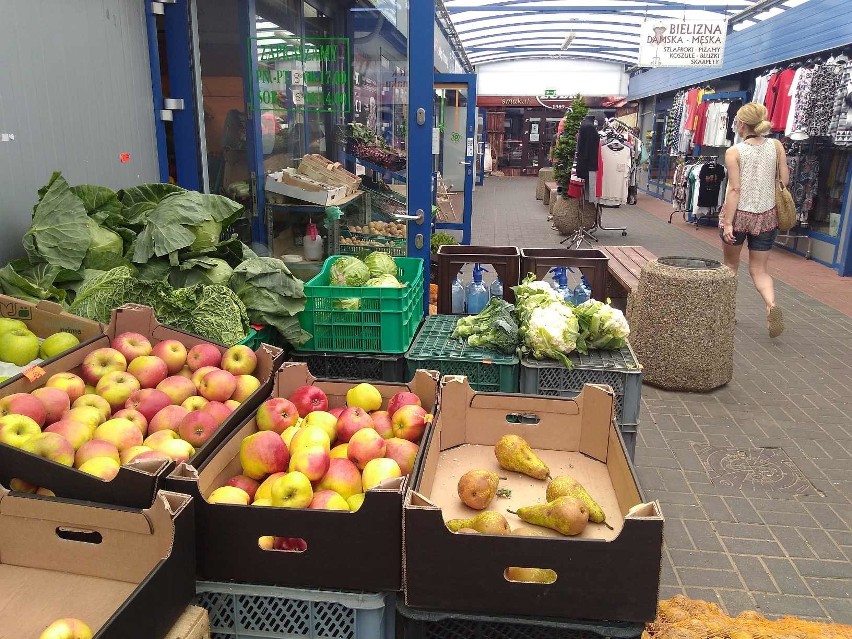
[776,322]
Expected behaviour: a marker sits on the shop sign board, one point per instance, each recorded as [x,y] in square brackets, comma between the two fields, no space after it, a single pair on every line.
[682,43]
[550,93]
[313,75]
[558,102]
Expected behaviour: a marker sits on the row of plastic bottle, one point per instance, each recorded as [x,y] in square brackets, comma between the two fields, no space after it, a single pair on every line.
[473,298]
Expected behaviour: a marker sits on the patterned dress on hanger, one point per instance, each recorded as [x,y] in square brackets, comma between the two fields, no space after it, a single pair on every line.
[803,95]
[824,87]
[804,178]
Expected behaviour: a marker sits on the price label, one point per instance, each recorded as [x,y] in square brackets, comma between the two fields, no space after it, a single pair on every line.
[34,373]
[124,158]
[297,78]
[298,98]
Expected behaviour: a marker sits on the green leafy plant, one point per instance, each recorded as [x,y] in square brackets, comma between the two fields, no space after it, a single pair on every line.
[566,144]
[440,239]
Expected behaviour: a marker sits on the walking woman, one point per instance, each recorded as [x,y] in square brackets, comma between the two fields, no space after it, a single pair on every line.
[749,214]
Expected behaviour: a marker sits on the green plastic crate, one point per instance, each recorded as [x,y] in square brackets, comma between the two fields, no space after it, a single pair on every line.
[434,348]
[258,334]
[385,323]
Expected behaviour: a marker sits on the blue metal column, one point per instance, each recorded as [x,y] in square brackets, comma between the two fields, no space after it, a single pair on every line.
[157,90]
[844,264]
[181,86]
[421,67]
[468,79]
[254,135]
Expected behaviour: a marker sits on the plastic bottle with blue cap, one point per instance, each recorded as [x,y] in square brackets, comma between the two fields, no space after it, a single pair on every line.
[458,294]
[560,283]
[496,288]
[477,293]
[582,292]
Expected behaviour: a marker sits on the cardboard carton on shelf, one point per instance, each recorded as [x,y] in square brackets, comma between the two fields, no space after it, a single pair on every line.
[345,550]
[291,183]
[127,574]
[136,483]
[601,574]
[44,319]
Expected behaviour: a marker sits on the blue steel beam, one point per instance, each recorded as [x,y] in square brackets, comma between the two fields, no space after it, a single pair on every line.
[525,56]
[529,5]
[479,57]
[510,12]
[555,34]
[513,48]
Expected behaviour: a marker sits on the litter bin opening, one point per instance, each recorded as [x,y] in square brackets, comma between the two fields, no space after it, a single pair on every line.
[695,263]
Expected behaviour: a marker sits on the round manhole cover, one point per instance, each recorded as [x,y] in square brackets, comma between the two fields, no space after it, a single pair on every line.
[695,263]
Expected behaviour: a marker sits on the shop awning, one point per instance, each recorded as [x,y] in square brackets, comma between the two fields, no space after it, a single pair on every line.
[604,30]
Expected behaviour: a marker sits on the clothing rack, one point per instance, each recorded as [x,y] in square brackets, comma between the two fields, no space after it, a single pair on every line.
[692,161]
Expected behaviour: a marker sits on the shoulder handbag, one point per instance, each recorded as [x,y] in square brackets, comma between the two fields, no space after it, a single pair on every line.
[785,208]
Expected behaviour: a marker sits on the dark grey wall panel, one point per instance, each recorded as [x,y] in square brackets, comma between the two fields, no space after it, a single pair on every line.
[814,26]
[75,91]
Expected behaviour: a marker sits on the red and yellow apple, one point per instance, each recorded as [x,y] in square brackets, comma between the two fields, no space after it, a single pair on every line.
[22,486]
[328,500]
[403,398]
[155,440]
[120,432]
[55,402]
[293,490]
[246,385]
[127,456]
[197,427]
[196,402]
[134,416]
[378,470]
[324,420]
[341,451]
[23,404]
[173,353]
[262,454]
[218,411]
[232,404]
[52,446]
[16,429]
[288,433]
[409,422]
[245,483]
[101,467]
[229,495]
[217,386]
[198,375]
[184,372]
[364,396]
[68,628]
[202,355]
[116,388]
[148,401]
[308,399]
[75,432]
[177,450]
[88,415]
[95,401]
[309,437]
[178,388]
[239,360]
[150,370]
[169,418]
[382,423]
[73,386]
[264,491]
[132,345]
[313,462]
[355,502]
[95,448]
[352,420]
[343,477]
[364,446]
[403,452]
[100,362]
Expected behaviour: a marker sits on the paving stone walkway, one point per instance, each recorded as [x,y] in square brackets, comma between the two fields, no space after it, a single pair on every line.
[778,538]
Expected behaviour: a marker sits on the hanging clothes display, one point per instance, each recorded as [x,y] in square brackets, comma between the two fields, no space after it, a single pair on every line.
[780,107]
[820,108]
[673,119]
[613,173]
[698,188]
[804,177]
[710,178]
[840,128]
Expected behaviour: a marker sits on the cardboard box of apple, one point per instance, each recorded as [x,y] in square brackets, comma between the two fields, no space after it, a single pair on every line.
[57,583]
[127,405]
[323,465]
[31,333]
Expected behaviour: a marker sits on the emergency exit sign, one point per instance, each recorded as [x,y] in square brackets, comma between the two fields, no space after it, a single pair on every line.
[550,93]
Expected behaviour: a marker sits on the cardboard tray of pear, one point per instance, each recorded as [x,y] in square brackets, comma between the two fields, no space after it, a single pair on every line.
[530,545]
[113,474]
[274,536]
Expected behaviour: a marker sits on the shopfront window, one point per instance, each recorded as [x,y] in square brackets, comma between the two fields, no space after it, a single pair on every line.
[818,176]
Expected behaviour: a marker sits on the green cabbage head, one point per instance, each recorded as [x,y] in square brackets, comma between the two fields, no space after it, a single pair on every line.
[206,235]
[106,250]
[381,263]
[349,271]
[384,281]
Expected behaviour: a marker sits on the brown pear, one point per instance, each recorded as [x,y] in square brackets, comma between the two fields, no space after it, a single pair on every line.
[565,515]
[468,531]
[488,522]
[530,575]
[477,488]
[514,453]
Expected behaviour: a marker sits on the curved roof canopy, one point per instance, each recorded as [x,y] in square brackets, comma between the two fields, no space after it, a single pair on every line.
[603,30]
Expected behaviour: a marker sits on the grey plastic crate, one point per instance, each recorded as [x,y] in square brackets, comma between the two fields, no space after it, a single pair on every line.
[244,611]
[384,368]
[619,369]
[422,624]
[629,432]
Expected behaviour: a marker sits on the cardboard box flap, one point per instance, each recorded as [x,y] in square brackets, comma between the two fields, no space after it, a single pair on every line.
[416,500]
[292,375]
[597,404]
[50,307]
[37,532]
[651,510]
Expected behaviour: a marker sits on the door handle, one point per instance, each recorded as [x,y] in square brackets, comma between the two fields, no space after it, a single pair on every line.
[465,163]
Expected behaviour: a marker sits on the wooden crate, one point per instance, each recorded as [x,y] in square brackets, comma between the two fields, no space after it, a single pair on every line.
[323,170]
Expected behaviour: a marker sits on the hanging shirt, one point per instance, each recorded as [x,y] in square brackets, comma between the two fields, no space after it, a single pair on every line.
[792,94]
[760,84]
[771,92]
[613,174]
[710,178]
[824,86]
[733,107]
[840,127]
[781,108]
[700,123]
[692,108]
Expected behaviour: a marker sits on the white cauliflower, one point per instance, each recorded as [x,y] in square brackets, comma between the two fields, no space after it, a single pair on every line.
[602,325]
[551,331]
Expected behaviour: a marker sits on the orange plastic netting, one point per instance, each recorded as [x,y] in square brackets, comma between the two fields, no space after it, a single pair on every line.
[682,618]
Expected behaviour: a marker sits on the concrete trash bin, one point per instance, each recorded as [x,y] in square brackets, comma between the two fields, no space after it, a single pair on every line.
[569,214]
[682,323]
[544,175]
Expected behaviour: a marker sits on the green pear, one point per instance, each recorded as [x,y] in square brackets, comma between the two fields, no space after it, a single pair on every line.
[488,522]
[477,488]
[565,486]
[565,515]
[514,453]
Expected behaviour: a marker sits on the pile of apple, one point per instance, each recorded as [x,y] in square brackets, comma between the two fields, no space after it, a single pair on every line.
[19,345]
[131,401]
[307,456]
